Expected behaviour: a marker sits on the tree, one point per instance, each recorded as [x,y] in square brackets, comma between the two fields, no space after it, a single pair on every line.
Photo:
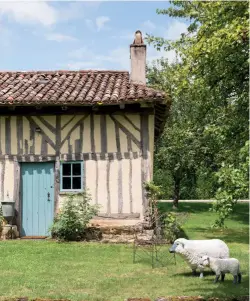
[211,78]
[233,185]
[179,146]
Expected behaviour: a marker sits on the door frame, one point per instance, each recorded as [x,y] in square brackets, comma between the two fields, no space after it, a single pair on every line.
[19,197]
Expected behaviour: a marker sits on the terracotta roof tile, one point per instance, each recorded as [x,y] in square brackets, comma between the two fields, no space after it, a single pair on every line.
[72,87]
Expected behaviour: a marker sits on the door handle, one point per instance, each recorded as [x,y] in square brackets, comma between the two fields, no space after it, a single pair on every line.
[48,196]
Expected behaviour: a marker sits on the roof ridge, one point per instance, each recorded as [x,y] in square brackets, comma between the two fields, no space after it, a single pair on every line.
[73,87]
[65,71]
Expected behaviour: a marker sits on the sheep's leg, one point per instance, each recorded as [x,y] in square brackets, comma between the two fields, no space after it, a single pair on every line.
[216,278]
[235,279]
[239,277]
[222,277]
[201,273]
[193,272]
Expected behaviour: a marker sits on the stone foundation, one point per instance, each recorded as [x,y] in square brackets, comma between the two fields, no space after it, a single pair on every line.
[111,234]
[117,234]
[119,239]
[114,222]
[9,232]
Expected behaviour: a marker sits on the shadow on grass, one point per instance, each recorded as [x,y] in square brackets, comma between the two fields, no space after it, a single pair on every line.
[186,207]
[221,289]
[228,235]
[183,234]
[197,275]
[240,213]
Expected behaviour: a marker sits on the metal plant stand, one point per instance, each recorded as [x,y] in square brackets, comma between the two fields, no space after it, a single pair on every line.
[149,238]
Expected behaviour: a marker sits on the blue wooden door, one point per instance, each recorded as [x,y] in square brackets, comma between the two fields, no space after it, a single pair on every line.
[37,198]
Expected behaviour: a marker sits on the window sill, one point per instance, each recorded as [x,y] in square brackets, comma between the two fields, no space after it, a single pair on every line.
[71,192]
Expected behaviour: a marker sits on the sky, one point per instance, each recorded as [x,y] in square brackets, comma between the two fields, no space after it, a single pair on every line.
[81,35]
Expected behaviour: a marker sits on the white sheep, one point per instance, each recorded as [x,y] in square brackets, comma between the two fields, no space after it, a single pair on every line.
[192,250]
[222,266]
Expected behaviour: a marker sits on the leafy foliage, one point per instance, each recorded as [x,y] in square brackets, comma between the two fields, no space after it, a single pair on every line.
[208,84]
[233,186]
[71,222]
[153,193]
[173,223]
[176,150]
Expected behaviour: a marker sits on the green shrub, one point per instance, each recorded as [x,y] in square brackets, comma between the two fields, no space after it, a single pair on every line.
[153,193]
[170,224]
[173,223]
[72,220]
[163,178]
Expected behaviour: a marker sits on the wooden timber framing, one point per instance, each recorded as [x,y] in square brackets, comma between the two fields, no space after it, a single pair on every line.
[17,193]
[57,184]
[114,147]
[92,129]
[103,129]
[74,110]
[145,150]
[33,127]
[108,187]
[130,184]
[120,195]
[2,178]
[70,157]
[57,133]
[20,135]
[161,112]
[126,132]
[34,135]
[8,136]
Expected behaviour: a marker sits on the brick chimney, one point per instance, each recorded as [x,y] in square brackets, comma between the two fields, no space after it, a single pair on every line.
[138,59]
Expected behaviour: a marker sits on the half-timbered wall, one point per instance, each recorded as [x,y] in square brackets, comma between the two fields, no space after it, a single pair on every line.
[117,150]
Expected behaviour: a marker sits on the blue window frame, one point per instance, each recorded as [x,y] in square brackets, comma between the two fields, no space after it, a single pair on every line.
[71,176]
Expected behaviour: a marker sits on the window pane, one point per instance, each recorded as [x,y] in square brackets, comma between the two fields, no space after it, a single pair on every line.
[77,183]
[66,183]
[77,169]
[66,169]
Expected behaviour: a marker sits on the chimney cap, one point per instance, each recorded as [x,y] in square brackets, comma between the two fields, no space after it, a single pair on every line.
[138,38]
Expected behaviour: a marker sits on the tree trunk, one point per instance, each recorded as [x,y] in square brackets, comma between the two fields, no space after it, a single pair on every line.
[176,198]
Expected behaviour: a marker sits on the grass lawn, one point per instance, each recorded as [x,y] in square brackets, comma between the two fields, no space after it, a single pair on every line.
[92,271]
